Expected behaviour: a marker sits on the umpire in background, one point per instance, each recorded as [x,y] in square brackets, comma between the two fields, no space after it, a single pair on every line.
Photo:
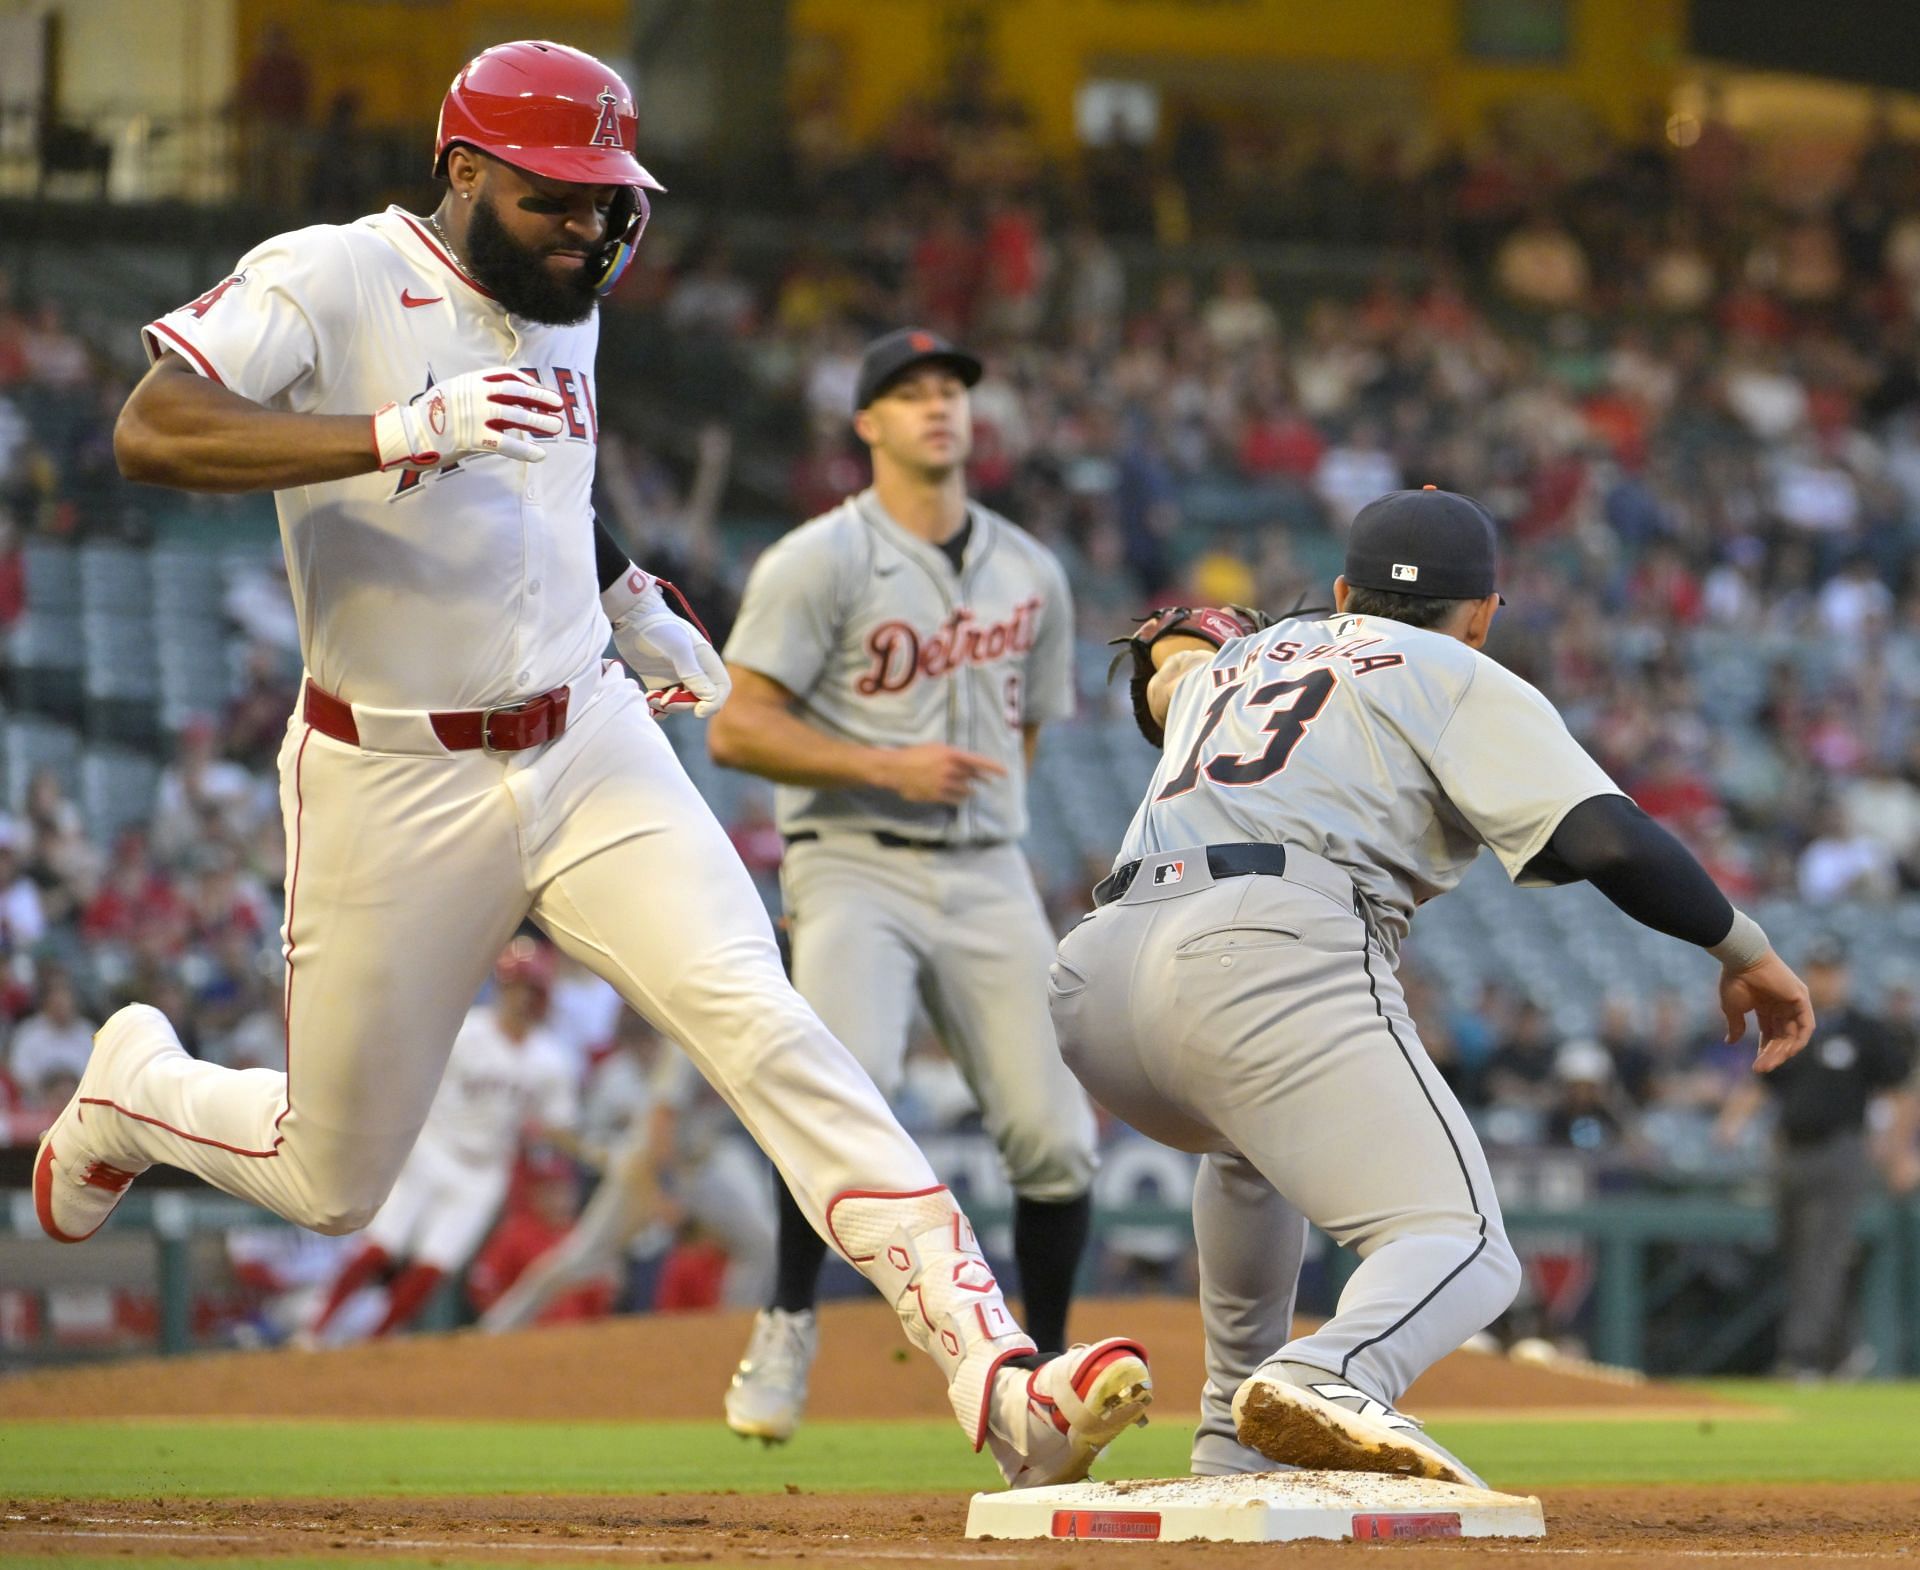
[1823,1167]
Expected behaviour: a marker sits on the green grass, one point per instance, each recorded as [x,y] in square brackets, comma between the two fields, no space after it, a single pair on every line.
[1862,1433]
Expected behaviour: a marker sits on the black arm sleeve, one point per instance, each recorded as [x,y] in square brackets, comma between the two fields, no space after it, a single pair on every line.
[1610,843]
[609,561]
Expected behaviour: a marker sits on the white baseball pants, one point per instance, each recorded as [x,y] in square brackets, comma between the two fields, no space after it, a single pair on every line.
[408,870]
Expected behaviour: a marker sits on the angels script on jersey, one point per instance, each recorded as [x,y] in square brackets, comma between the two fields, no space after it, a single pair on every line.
[901,654]
[577,407]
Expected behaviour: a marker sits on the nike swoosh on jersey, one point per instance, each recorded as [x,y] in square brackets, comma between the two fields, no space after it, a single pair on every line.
[886,572]
[411,303]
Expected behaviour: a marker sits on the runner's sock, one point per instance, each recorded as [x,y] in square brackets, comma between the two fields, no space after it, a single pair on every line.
[799,1256]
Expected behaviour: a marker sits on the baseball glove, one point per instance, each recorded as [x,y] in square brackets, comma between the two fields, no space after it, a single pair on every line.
[1214,624]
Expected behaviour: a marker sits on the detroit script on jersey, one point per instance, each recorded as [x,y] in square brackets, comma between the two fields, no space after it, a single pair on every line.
[885,642]
[902,654]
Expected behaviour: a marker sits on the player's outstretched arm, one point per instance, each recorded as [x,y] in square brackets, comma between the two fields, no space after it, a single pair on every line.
[180,429]
[759,732]
[1608,841]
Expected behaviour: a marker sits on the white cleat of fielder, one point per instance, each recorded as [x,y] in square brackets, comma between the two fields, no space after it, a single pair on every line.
[769,1389]
[1313,1419]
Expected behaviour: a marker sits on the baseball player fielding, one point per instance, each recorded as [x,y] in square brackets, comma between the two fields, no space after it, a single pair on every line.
[1234,991]
[893,664]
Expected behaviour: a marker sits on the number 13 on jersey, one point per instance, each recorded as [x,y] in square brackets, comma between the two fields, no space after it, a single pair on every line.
[1294,704]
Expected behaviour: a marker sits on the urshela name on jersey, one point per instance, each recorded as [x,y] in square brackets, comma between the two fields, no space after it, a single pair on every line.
[901,654]
[1351,650]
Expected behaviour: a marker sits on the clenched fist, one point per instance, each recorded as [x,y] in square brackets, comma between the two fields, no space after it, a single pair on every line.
[479,412]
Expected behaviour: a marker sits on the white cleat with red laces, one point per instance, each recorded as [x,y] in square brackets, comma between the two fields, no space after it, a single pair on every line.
[1048,1424]
[79,1175]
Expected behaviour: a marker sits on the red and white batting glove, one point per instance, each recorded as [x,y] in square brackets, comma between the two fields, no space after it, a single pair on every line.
[664,650]
[479,412]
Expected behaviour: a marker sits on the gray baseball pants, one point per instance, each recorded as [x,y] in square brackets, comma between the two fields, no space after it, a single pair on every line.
[963,932]
[1255,1021]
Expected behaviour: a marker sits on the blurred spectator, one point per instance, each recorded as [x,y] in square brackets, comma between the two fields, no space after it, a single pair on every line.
[64,864]
[711,300]
[1584,1113]
[1236,319]
[256,721]
[1520,1072]
[54,1042]
[201,793]
[23,922]
[1353,472]
[1541,264]
[1842,863]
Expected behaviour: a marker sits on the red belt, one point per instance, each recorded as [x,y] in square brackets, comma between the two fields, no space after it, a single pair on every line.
[510,728]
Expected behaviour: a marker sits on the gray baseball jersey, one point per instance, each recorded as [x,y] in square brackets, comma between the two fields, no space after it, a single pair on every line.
[1394,752]
[884,643]
[1254,1017]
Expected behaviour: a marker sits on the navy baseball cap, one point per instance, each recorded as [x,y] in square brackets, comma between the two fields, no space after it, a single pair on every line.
[1431,542]
[889,358]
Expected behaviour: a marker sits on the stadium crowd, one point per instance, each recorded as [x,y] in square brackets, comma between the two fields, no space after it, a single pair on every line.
[1686,382]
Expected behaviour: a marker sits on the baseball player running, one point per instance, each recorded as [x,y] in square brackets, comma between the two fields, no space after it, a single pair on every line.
[1233,993]
[419,394]
[892,664]
[504,1072]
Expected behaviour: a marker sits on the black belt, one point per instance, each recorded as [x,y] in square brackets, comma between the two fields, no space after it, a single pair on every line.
[1223,861]
[900,841]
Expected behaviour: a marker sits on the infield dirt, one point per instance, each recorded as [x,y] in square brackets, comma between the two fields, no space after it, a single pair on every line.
[1664,1529]
[865,1371]
[562,1373]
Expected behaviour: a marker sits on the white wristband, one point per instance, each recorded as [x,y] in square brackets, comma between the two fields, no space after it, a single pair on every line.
[627,591]
[1744,945]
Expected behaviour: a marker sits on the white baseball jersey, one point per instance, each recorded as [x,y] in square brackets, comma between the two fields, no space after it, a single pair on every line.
[1394,752]
[470,585]
[494,1086]
[886,645]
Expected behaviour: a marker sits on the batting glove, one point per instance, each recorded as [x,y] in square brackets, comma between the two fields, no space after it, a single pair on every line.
[664,650]
[478,412]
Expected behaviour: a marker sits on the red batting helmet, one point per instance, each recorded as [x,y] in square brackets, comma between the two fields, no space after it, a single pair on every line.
[525,961]
[548,109]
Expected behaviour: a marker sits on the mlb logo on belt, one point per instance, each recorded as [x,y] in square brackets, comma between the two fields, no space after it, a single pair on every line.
[1404,573]
[1169,872]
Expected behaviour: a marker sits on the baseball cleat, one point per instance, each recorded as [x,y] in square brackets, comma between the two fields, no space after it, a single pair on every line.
[1310,1418]
[769,1389]
[75,1183]
[1076,1405]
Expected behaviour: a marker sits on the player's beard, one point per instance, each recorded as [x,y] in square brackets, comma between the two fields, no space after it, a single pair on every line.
[518,276]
